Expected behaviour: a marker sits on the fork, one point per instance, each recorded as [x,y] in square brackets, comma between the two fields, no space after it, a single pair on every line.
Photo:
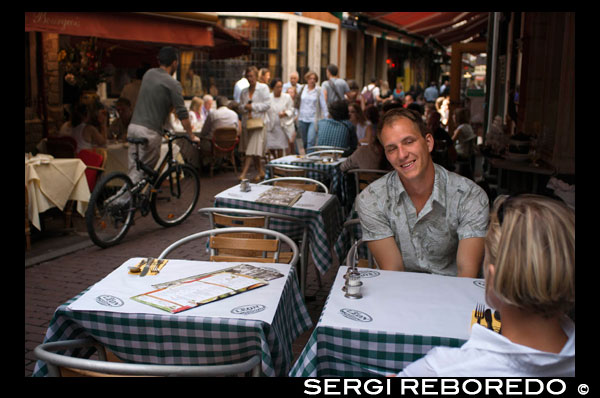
[479,312]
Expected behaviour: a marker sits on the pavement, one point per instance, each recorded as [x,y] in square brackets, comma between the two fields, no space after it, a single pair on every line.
[62,263]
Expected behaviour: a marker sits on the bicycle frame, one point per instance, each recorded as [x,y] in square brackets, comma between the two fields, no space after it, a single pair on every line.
[151,176]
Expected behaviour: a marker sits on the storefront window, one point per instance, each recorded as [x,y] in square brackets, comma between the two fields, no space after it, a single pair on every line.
[218,77]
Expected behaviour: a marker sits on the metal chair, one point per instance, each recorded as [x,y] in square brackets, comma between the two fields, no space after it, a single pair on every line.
[61,365]
[353,260]
[360,258]
[270,247]
[290,170]
[306,184]
[223,217]
[334,153]
[364,177]
[324,148]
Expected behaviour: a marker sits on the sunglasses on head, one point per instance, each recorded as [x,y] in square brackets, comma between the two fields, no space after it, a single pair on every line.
[502,207]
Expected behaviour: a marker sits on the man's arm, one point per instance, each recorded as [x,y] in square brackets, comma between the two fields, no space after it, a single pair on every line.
[188,128]
[469,257]
[386,253]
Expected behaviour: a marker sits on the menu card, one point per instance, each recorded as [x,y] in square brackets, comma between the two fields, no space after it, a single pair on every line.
[190,292]
[285,196]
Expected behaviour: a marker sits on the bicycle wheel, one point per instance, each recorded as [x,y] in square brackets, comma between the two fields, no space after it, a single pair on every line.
[110,210]
[175,195]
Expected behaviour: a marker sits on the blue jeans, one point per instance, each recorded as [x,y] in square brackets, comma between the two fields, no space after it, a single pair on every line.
[308,133]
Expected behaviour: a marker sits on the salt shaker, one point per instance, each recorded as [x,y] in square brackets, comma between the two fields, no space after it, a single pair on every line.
[353,285]
[245,185]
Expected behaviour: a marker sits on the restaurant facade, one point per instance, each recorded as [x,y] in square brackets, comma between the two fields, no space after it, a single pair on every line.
[530,58]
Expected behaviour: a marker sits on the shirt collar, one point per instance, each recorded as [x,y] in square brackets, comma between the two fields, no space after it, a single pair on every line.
[439,186]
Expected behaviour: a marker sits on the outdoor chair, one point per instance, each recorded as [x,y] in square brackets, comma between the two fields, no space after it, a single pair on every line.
[63,365]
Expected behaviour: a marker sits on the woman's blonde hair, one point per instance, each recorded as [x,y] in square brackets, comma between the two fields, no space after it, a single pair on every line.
[196,104]
[531,242]
[310,73]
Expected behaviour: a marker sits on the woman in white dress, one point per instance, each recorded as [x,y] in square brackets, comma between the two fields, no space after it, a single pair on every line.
[279,135]
[255,102]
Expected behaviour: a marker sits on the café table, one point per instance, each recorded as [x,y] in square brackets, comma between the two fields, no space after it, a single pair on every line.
[52,182]
[322,212]
[522,170]
[265,320]
[332,168]
[400,317]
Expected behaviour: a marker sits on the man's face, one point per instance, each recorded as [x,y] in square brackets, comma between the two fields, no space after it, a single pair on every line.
[293,79]
[406,149]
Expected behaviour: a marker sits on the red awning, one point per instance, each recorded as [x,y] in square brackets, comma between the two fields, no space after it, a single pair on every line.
[122,26]
[445,27]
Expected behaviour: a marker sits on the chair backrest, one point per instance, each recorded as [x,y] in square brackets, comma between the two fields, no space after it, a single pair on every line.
[234,217]
[359,253]
[353,258]
[217,242]
[333,153]
[316,148]
[61,147]
[94,159]
[306,184]
[363,177]
[65,365]
[224,140]
[286,171]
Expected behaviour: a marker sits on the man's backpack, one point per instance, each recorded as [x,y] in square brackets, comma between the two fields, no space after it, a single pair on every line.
[368,96]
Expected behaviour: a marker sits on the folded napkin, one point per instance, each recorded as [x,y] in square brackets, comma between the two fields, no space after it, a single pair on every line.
[495,323]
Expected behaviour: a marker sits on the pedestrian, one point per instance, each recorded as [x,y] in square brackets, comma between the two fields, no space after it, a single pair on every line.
[254,104]
[311,109]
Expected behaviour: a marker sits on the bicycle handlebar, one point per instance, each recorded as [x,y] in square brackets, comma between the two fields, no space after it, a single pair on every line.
[172,137]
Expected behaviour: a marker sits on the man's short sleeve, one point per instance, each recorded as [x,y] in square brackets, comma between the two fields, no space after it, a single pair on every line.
[374,223]
[473,214]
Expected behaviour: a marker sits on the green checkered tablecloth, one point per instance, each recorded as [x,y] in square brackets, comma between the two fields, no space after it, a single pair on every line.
[332,352]
[189,340]
[338,178]
[400,318]
[324,225]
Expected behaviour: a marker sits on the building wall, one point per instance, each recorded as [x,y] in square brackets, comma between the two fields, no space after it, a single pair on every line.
[317,21]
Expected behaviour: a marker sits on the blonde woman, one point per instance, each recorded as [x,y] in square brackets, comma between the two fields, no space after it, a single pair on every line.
[196,113]
[255,102]
[529,269]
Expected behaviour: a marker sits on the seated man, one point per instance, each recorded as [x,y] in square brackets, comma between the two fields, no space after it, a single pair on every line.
[220,117]
[337,130]
[421,217]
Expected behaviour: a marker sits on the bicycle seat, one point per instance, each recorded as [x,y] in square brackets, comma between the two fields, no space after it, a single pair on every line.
[137,140]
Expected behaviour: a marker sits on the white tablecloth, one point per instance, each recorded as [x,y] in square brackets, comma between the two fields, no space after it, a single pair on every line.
[407,303]
[52,182]
[122,285]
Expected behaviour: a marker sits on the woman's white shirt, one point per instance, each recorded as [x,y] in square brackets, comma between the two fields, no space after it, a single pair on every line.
[489,354]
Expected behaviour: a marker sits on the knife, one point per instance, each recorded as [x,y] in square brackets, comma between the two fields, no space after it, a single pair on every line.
[488,318]
[147,267]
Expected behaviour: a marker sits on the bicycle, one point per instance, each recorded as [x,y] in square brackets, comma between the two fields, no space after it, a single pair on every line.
[170,196]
